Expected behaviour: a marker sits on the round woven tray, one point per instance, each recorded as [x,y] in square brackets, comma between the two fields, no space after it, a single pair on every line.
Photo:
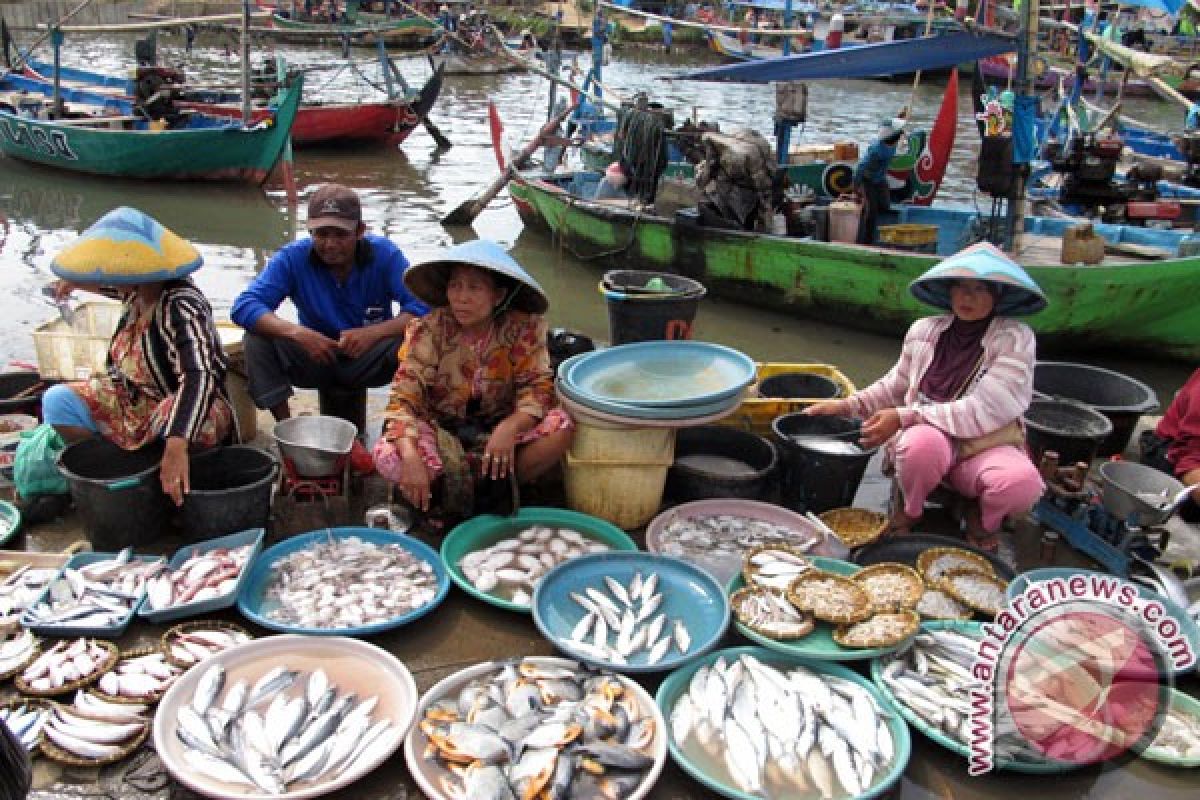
[34,652]
[31,702]
[914,588]
[55,753]
[966,612]
[148,700]
[195,625]
[962,559]
[855,526]
[750,571]
[799,632]
[852,601]
[909,620]
[101,668]
[947,584]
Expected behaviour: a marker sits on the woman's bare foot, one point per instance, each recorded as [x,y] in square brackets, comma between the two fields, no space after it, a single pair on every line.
[977,536]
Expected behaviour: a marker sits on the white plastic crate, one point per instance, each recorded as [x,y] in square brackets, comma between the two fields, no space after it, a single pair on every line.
[77,351]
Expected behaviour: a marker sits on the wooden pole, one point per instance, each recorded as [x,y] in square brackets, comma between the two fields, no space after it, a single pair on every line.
[57,26]
[912,96]
[1016,198]
[247,112]
[466,213]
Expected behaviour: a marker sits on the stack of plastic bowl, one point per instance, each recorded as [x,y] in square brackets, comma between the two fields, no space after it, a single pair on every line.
[627,401]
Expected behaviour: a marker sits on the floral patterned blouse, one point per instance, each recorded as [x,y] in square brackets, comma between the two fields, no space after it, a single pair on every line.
[440,371]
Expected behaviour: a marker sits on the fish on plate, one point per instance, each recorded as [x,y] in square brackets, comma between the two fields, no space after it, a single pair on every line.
[347,582]
[782,732]
[622,625]
[528,729]
[204,576]
[282,730]
[100,594]
[512,567]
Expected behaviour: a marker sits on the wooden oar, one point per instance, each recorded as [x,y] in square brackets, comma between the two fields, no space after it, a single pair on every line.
[466,212]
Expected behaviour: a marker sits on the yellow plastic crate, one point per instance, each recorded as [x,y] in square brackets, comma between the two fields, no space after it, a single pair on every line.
[908,235]
[756,413]
[77,351]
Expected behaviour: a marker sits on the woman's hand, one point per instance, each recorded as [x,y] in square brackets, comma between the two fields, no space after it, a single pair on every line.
[61,290]
[825,408]
[414,477]
[500,452]
[173,471]
[880,427]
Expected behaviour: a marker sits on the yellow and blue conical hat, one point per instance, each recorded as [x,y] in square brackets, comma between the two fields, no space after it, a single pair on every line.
[1019,295]
[126,247]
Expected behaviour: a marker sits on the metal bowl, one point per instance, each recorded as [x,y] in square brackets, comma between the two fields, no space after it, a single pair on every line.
[1128,488]
[315,445]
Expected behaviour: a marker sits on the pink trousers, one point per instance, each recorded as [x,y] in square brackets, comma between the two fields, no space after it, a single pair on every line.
[1003,478]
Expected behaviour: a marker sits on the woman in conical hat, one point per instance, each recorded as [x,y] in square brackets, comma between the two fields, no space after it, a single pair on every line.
[950,410]
[166,368]
[473,398]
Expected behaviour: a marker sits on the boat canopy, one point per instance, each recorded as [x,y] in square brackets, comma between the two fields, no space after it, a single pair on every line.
[865,61]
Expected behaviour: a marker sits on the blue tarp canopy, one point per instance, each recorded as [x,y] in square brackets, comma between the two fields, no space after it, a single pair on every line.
[865,61]
[1169,6]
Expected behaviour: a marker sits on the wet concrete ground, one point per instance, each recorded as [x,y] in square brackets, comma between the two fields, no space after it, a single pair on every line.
[463,631]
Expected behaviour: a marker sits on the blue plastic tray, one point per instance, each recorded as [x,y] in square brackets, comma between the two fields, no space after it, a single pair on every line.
[651,412]
[1187,627]
[253,537]
[689,593]
[677,683]
[663,374]
[252,604]
[12,515]
[80,560]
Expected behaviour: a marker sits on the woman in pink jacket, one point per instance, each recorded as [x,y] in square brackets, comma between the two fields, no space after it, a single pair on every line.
[950,409]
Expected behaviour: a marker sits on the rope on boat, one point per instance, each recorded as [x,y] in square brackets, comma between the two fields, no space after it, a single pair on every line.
[640,145]
[563,243]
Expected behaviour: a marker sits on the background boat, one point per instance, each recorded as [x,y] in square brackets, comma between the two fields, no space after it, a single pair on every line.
[128,146]
[317,123]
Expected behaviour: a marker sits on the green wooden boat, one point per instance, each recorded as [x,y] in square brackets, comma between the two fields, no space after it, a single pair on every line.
[209,148]
[364,29]
[1127,302]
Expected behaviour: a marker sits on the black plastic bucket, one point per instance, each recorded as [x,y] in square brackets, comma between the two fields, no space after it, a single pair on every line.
[799,385]
[117,492]
[1119,397]
[1071,429]
[716,461]
[636,314]
[14,383]
[230,491]
[816,478]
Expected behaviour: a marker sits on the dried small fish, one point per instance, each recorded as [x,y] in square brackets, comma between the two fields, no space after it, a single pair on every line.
[770,613]
[883,629]
[981,592]
[936,604]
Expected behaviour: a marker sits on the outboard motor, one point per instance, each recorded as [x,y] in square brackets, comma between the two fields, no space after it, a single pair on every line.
[1189,146]
[1088,163]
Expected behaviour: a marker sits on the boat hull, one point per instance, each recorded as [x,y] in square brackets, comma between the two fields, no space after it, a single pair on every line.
[207,154]
[1136,306]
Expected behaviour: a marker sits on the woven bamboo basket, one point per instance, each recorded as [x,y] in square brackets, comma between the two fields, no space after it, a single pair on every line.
[104,666]
[855,526]
[195,625]
[148,700]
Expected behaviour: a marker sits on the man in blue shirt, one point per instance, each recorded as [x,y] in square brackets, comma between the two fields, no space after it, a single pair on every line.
[343,282]
[870,179]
